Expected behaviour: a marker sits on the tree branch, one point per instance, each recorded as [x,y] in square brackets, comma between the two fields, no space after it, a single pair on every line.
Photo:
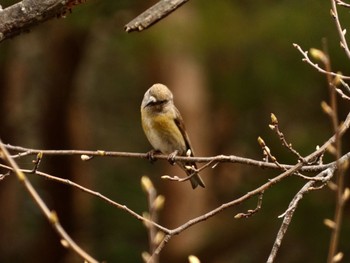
[341,31]
[20,17]
[23,151]
[171,232]
[51,216]
[287,216]
[316,66]
[154,14]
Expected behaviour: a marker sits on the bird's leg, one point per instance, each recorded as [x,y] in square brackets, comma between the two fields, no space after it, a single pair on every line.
[171,157]
[150,155]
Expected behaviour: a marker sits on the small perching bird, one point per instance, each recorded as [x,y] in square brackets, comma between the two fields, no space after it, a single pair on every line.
[165,130]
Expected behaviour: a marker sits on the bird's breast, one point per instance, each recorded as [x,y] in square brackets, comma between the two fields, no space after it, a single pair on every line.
[163,133]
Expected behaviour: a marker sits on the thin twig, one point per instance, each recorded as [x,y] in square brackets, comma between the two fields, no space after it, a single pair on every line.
[341,31]
[50,215]
[287,216]
[251,212]
[184,179]
[268,155]
[22,16]
[154,14]
[93,193]
[275,127]
[341,3]
[297,167]
[22,151]
[316,66]
[342,129]
[155,204]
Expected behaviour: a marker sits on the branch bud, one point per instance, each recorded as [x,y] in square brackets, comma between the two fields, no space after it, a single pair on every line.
[338,257]
[147,216]
[274,120]
[329,223]
[261,142]
[326,108]
[39,156]
[272,127]
[64,243]
[158,203]
[158,237]
[332,186]
[332,13]
[85,157]
[319,55]
[193,259]
[346,195]
[145,256]
[337,79]
[53,217]
[146,184]
[239,216]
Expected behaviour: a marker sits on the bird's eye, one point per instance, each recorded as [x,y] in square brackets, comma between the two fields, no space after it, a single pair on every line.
[158,102]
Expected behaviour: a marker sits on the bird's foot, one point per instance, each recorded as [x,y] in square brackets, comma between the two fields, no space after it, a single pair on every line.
[171,157]
[150,155]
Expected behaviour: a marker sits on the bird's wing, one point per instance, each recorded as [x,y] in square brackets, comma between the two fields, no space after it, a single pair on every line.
[180,124]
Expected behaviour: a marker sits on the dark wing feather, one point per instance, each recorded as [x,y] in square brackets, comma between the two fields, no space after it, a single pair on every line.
[180,124]
[195,179]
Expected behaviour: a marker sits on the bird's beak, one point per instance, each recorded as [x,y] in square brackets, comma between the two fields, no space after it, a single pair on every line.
[149,101]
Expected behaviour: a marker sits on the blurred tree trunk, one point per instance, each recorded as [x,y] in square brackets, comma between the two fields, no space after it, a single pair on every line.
[63,51]
[184,75]
[10,94]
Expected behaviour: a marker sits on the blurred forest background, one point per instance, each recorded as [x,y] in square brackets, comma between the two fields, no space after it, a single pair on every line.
[77,83]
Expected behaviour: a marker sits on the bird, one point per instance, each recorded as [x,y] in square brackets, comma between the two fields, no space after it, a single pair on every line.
[165,130]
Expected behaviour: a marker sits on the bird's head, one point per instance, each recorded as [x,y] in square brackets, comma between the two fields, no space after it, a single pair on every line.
[157,97]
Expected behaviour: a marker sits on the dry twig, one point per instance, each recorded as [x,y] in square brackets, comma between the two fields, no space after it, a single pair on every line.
[152,15]
[315,65]
[23,151]
[287,216]
[20,17]
[51,216]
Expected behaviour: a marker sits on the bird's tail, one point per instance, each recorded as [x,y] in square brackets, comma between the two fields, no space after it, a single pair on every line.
[195,179]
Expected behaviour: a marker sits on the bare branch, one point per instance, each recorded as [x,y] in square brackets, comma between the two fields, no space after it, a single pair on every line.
[23,15]
[325,176]
[258,191]
[341,31]
[155,204]
[274,126]
[50,215]
[22,151]
[263,187]
[341,3]
[152,15]
[93,193]
[316,66]
[251,212]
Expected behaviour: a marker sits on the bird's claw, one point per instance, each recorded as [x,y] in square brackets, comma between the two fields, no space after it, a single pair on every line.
[171,157]
[150,155]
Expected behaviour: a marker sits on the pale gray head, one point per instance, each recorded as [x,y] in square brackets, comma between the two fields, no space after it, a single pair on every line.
[157,96]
